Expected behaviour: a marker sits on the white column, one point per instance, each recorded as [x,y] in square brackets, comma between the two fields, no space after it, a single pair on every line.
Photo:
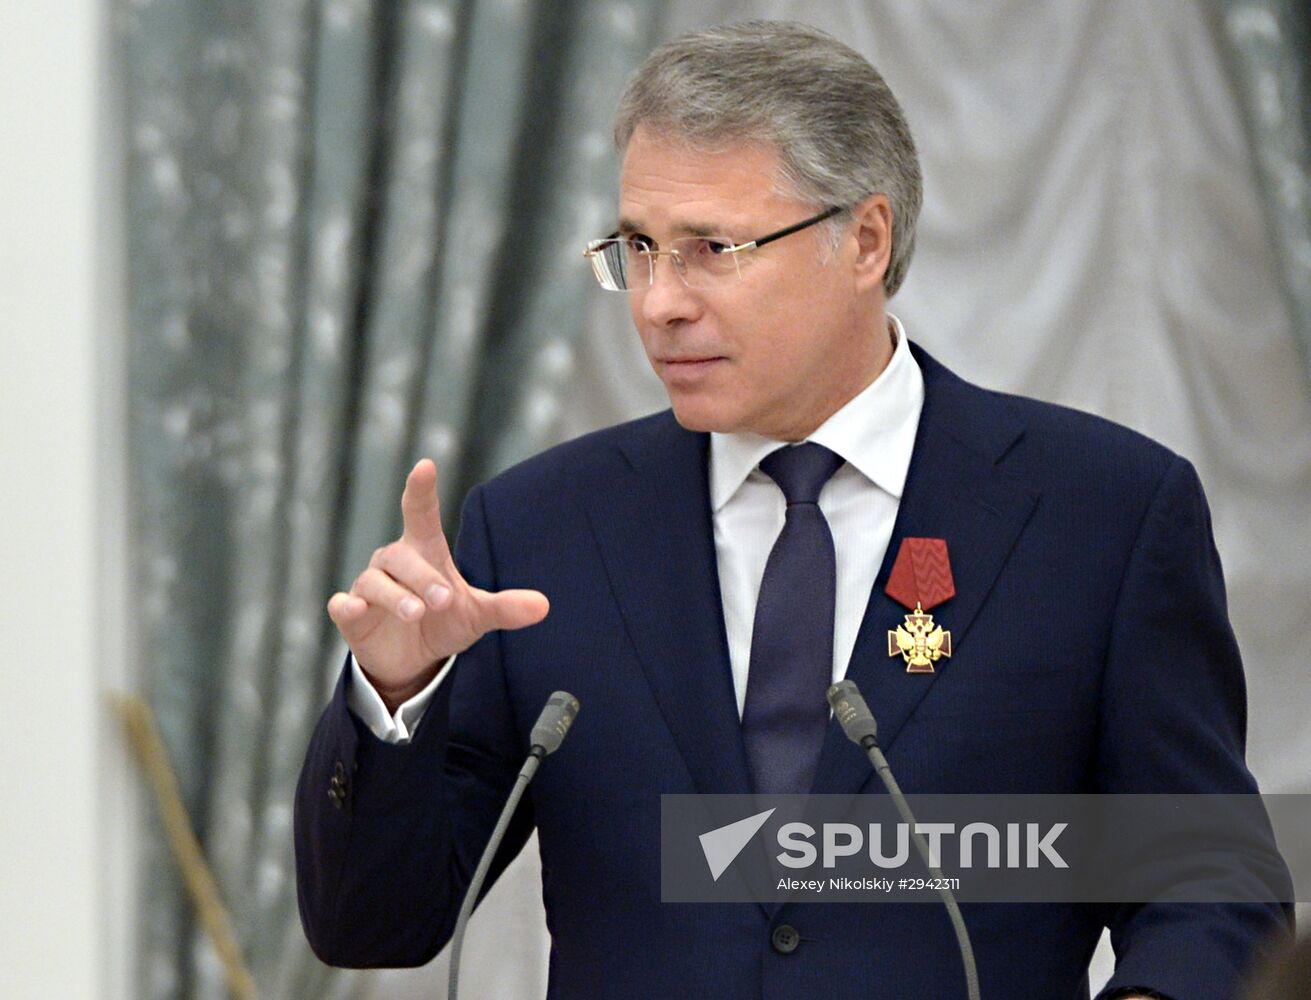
[65,783]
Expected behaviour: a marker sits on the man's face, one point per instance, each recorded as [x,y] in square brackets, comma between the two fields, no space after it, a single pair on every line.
[776,352]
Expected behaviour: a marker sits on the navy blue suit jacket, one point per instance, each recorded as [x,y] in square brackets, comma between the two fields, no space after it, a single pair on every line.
[1062,528]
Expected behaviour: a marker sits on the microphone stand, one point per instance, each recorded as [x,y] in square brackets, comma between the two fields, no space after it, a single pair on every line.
[485,863]
[547,735]
[857,722]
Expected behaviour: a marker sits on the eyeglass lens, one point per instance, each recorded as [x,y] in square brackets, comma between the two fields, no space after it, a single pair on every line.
[701,261]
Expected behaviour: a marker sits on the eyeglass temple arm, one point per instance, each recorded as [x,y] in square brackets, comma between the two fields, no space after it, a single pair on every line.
[804,223]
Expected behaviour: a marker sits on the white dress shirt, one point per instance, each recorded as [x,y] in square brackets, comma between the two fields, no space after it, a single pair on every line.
[874,432]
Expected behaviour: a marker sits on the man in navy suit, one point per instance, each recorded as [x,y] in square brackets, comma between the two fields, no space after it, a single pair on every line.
[767,211]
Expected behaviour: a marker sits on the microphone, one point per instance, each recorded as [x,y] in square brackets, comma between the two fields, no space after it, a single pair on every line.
[548,733]
[553,724]
[857,721]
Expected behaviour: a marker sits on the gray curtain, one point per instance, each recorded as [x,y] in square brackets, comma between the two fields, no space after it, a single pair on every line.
[354,239]
[1269,49]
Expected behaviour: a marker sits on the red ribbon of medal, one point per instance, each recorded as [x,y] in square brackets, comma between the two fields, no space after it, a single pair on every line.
[920,580]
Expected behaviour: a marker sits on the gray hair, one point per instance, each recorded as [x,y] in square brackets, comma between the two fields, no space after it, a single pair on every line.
[839,132]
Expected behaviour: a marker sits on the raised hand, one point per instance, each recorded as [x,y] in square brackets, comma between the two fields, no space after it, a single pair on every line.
[411,609]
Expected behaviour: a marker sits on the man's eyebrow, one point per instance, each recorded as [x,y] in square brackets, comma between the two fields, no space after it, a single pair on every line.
[682,229]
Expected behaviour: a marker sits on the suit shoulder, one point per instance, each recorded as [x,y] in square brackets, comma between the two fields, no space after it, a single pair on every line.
[1066,428]
[1049,439]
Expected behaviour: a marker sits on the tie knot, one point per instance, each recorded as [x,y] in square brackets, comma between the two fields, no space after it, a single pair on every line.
[801,470]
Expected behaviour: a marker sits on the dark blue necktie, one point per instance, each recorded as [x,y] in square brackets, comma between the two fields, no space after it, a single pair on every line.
[785,714]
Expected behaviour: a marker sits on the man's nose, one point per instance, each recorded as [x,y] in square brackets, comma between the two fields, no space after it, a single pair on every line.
[668,299]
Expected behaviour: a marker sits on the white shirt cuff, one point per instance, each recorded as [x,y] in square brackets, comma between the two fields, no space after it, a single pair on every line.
[365,702]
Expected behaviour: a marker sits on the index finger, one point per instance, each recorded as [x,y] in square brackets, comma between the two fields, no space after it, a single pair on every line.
[420,510]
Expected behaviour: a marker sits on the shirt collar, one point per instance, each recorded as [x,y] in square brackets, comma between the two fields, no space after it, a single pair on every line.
[874,431]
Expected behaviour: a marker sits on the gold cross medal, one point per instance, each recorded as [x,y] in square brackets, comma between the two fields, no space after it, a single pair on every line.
[920,641]
[920,578]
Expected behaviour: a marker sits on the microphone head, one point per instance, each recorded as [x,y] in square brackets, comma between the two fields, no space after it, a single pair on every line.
[554,722]
[853,715]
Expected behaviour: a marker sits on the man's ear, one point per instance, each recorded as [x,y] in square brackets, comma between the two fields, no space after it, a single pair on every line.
[873,231]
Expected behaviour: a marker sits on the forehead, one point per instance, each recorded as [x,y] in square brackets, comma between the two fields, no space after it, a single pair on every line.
[669,183]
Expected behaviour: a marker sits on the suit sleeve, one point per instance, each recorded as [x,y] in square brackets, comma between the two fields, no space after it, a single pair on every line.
[1173,720]
[388,835]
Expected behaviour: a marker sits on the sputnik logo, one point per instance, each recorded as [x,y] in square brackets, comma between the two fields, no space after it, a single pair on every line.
[722,845]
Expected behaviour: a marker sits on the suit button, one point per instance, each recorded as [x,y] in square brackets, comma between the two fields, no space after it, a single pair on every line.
[785,939]
[338,787]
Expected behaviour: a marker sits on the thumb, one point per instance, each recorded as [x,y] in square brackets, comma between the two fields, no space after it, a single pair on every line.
[510,609]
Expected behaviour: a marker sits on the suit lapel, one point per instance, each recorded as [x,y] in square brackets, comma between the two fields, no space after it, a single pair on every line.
[957,491]
[652,520]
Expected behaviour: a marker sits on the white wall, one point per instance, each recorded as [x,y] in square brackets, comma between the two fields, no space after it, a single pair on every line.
[64,780]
